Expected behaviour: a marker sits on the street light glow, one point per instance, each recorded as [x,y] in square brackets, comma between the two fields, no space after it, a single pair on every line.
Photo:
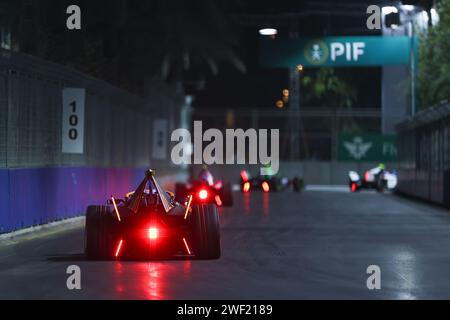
[268,31]
[279,104]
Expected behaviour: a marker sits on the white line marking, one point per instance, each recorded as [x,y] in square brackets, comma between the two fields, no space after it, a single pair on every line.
[46,226]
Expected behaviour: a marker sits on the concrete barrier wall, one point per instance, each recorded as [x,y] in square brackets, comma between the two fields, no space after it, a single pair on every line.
[38,182]
[34,196]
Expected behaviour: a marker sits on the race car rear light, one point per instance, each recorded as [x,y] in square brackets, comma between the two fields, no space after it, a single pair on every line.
[115,208]
[218,185]
[244,175]
[265,186]
[118,248]
[153,233]
[203,194]
[218,200]
[246,187]
[367,176]
[188,206]
[353,187]
[186,246]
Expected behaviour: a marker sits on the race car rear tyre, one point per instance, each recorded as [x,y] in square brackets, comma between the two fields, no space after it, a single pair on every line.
[297,184]
[274,184]
[380,185]
[226,195]
[180,192]
[206,231]
[98,242]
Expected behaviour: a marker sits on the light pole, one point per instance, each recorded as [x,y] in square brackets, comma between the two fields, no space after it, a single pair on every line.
[412,67]
[393,21]
[294,112]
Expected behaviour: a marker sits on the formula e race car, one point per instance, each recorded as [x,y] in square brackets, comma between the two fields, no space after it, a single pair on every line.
[376,178]
[204,190]
[269,183]
[149,224]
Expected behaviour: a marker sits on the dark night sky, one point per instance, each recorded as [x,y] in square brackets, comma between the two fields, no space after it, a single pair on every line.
[126,47]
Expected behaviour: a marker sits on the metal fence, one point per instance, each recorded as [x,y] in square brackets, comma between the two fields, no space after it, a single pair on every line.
[319,127]
[118,125]
[39,183]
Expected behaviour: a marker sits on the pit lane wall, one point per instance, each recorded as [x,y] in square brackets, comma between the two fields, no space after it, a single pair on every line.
[38,182]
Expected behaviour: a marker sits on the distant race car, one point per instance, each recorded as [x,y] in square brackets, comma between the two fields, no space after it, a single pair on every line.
[205,190]
[376,178]
[269,183]
[149,224]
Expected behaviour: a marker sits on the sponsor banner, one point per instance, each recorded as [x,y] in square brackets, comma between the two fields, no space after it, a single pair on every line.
[367,147]
[355,51]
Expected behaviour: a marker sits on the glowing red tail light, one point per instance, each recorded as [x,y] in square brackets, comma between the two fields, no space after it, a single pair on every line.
[218,185]
[186,246]
[203,194]
[367,176]
[153,233]
[188,206]
[246,187]
[244,175]
[218,200]
[353,187]
[118,248]
[115,208]
[265,186]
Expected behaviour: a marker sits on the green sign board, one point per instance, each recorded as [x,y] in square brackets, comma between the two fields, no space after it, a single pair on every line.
[367,147]
[355,51]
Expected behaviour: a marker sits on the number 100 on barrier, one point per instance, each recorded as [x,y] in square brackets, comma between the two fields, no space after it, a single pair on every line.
[73,120]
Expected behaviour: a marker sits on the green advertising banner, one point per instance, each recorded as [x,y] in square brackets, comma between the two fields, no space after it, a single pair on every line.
[367,147]
[355,51]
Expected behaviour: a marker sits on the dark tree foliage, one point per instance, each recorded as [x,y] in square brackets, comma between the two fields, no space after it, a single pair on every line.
[434,60]
[125,41]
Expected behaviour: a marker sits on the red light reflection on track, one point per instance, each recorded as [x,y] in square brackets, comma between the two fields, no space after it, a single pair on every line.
[266,203]
[155,282]
[149,280]
[143,280]
[187,269]
[247,203]
[120,289]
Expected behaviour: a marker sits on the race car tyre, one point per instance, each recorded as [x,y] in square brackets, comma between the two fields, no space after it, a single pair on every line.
[98,242]
[380,185]
[180,192]
[206,231]
[297,184]
[274,184]
[226,195]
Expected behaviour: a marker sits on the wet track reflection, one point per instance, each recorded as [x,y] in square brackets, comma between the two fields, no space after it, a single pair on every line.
[316,244]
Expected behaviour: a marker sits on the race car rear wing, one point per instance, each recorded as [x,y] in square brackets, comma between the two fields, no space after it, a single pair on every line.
[136,198]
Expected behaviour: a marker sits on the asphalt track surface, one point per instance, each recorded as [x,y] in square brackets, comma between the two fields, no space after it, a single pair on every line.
[316,244]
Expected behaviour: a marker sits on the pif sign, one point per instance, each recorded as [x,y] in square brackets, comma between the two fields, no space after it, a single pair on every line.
[73,120]
[367,147]
[357,51]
